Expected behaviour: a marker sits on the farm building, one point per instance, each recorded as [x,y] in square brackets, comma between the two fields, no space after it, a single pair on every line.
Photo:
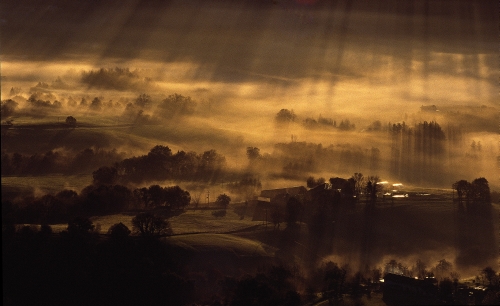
[273,199]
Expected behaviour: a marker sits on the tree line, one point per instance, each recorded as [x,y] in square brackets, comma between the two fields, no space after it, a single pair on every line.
[94,200]
[55,161]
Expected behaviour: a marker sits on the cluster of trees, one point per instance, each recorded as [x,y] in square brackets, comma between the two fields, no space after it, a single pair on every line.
[115,78]
[477,191]
[285,116]
[94,200]
[172,198]
[161,164]
[174,106]
[66,162]
[297,159]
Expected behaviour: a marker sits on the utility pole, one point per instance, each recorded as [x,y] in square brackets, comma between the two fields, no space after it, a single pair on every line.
[266,219]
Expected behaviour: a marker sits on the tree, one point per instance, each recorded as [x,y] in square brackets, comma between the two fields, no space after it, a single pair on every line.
[143,100]
[285,116]
[253,153]
[96,104]
[80,228]
[105,176]
[480,191]
[420,269]
[118,231]
[177,105]
[359,183]
[71,121]
[489,274]
[372,188]
[462,187]
[8,108]
[442,268]
[223,200]
[148,224]
[176,198]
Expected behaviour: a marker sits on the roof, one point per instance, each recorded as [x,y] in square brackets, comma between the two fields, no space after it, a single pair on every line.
[271,193]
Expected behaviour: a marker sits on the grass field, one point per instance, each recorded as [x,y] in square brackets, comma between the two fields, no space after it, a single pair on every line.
[230,243]
[199,221]
[47,183]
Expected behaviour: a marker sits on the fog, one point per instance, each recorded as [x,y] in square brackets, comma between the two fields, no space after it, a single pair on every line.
[239,63]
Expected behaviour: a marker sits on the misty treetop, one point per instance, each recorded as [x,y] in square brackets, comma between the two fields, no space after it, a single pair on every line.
[285,116]
[8,107]
[115,78]
[177,105]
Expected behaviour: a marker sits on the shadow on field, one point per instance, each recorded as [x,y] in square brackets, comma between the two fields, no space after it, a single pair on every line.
[476,244]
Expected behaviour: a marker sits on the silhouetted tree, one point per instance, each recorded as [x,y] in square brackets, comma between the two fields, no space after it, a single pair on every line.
[105,176]
[372,188]
[481,190]
[489,274]
[223,200]
[70,121]
[118,231]
[176,198]
[148,224]
[463,189]
[420,269]
[80,229]
[359,184]
[443,268]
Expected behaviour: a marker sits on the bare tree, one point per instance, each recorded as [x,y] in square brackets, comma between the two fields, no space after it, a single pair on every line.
[148,224]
